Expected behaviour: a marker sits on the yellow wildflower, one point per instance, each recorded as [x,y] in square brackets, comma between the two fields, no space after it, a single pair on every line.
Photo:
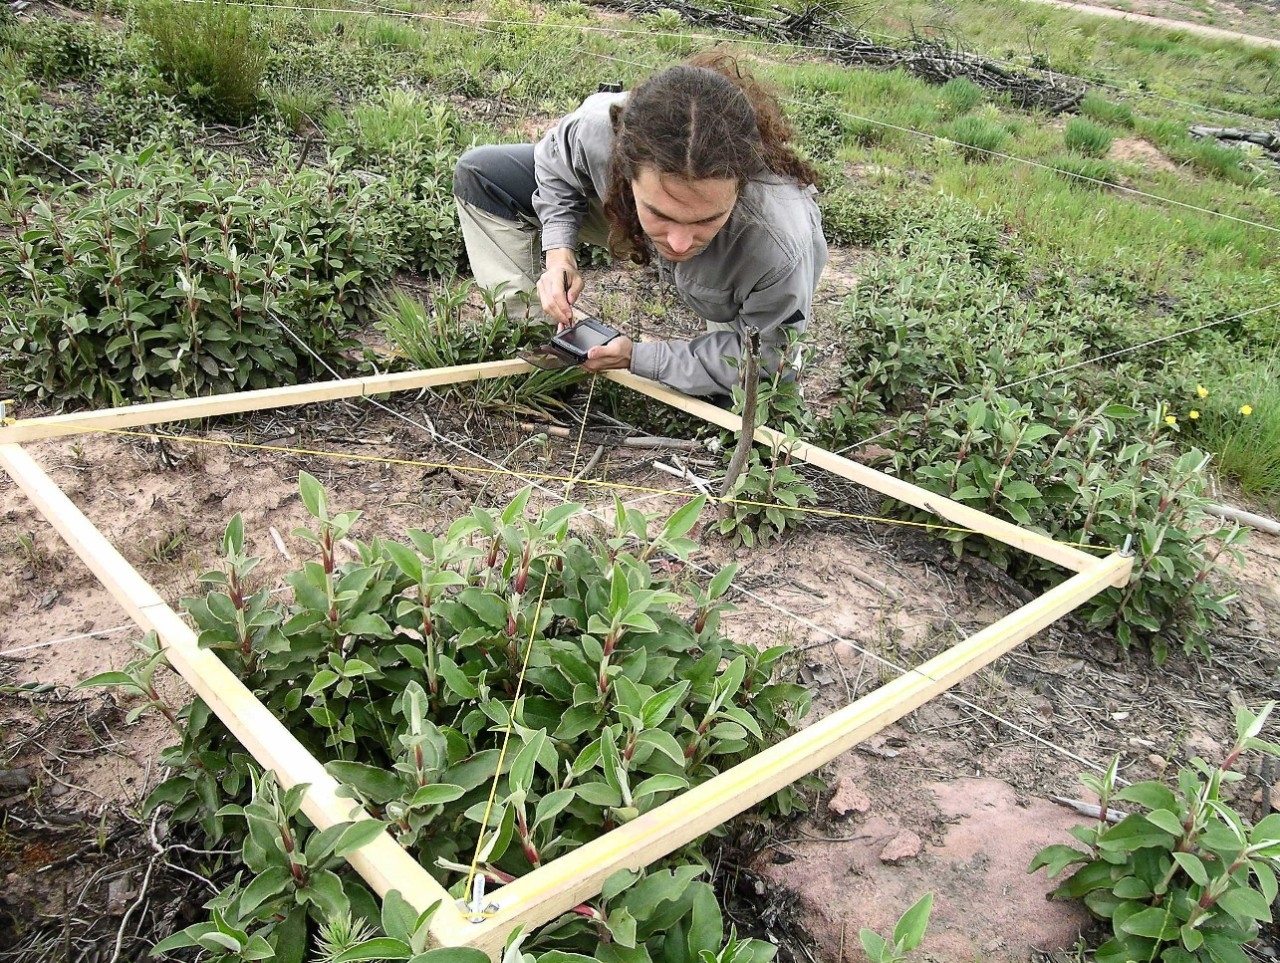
[1246,410]
[1193,414]
[1170,420]
[1202,391]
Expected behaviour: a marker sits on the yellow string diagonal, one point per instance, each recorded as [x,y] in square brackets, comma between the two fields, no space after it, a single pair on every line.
[524,663]
[570,480]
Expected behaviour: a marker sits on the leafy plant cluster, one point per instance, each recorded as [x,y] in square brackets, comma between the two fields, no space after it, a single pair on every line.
[173,275]
[936,337]
[402,670]
[1188,879]
[413,141]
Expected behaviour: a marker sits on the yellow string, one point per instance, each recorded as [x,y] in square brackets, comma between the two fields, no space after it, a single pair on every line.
[570,480]
[524,663]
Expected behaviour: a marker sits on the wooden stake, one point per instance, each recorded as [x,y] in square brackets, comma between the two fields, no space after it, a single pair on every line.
[750,379]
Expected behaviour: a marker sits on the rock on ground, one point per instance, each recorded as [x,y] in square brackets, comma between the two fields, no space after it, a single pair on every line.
[986,841]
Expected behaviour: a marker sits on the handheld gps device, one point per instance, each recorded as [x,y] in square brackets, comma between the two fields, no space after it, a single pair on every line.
[576,340]
[569,347]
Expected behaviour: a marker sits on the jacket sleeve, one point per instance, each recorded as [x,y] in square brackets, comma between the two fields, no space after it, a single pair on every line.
[708,364]
[570,164]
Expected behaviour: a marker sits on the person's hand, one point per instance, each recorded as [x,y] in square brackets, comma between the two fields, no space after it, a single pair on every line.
[560,286]
[609,357]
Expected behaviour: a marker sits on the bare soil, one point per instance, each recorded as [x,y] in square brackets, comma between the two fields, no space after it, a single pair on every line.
[953,799]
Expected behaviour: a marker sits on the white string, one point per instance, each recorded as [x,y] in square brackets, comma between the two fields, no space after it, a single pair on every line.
[97,633]
[22,140]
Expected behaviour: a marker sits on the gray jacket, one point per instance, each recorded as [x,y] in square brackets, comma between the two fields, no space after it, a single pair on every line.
[759,271]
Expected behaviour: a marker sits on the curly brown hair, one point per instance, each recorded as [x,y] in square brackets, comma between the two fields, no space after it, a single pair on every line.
[707,118]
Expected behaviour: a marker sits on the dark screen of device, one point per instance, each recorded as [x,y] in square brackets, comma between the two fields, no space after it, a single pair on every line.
[583,337]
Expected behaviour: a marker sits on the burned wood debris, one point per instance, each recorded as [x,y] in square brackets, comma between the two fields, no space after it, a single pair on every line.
[928,59]
[1269,141]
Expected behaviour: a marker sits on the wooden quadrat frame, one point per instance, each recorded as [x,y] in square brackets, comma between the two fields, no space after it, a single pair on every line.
[563,883]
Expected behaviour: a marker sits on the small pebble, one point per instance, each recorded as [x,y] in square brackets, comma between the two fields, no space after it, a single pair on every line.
[1157,760]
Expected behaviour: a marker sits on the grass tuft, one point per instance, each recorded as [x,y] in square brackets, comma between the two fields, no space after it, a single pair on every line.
[213,54]
[1083,136]
[977,136]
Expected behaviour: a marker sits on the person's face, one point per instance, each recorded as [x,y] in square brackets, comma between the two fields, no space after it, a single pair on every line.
[682,216]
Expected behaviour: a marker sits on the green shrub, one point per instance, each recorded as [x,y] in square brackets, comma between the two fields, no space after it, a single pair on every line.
[48,130]
[852,217]
[398,671]
[1083,136]
[1188,879]
[414,141]
[158,282]
[57,50]
[131,109]
[1058,455]
[1103,111]
[977,137]
[213,54]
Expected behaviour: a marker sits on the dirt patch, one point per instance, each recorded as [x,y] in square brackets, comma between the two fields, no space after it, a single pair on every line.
[1135,150]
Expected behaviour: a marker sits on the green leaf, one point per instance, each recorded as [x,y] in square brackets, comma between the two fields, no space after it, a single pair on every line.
[1244,904]
[663,782]
[324,889]
[1169,822]
[874,945]
[405,559]
[272,881]
[191,936]
[111,678]
[1191,937]
[312,495]
[658,706]
[1150,795]
[1056,858]
[378,948]
[706,927]
[377,785]
[1193,867]
[437,794]
[622,926]
[399,918]
[1132,887]
[683,519]
[721,581]
[1267,829]
[1156,923]
[1133,833]
[521,774]
[360,833]
[910,929]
